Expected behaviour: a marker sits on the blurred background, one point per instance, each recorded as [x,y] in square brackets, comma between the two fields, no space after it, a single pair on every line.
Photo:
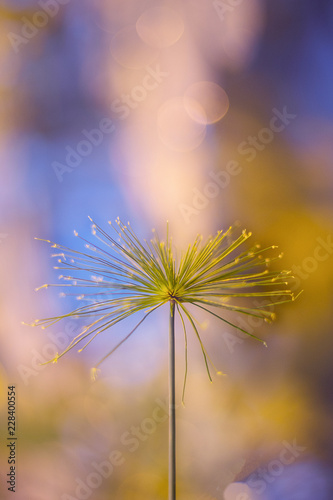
[202,113]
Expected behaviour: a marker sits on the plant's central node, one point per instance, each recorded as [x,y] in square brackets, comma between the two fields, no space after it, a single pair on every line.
[173,295]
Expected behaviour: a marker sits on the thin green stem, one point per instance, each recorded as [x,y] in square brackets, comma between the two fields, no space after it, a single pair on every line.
[172,406]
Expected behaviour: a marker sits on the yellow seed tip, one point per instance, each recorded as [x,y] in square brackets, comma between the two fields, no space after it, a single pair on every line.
[40,287]
[94,373]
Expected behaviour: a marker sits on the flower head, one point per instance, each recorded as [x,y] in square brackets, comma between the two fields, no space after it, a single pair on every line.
[124,276]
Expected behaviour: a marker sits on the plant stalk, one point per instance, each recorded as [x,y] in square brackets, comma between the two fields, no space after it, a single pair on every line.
[172,406]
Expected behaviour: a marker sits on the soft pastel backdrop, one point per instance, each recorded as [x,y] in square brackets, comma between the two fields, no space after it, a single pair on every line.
[177,91]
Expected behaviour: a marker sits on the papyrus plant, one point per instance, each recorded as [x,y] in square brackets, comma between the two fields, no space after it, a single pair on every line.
[125,276]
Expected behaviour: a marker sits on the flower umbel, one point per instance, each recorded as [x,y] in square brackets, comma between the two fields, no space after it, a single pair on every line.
[126,277]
